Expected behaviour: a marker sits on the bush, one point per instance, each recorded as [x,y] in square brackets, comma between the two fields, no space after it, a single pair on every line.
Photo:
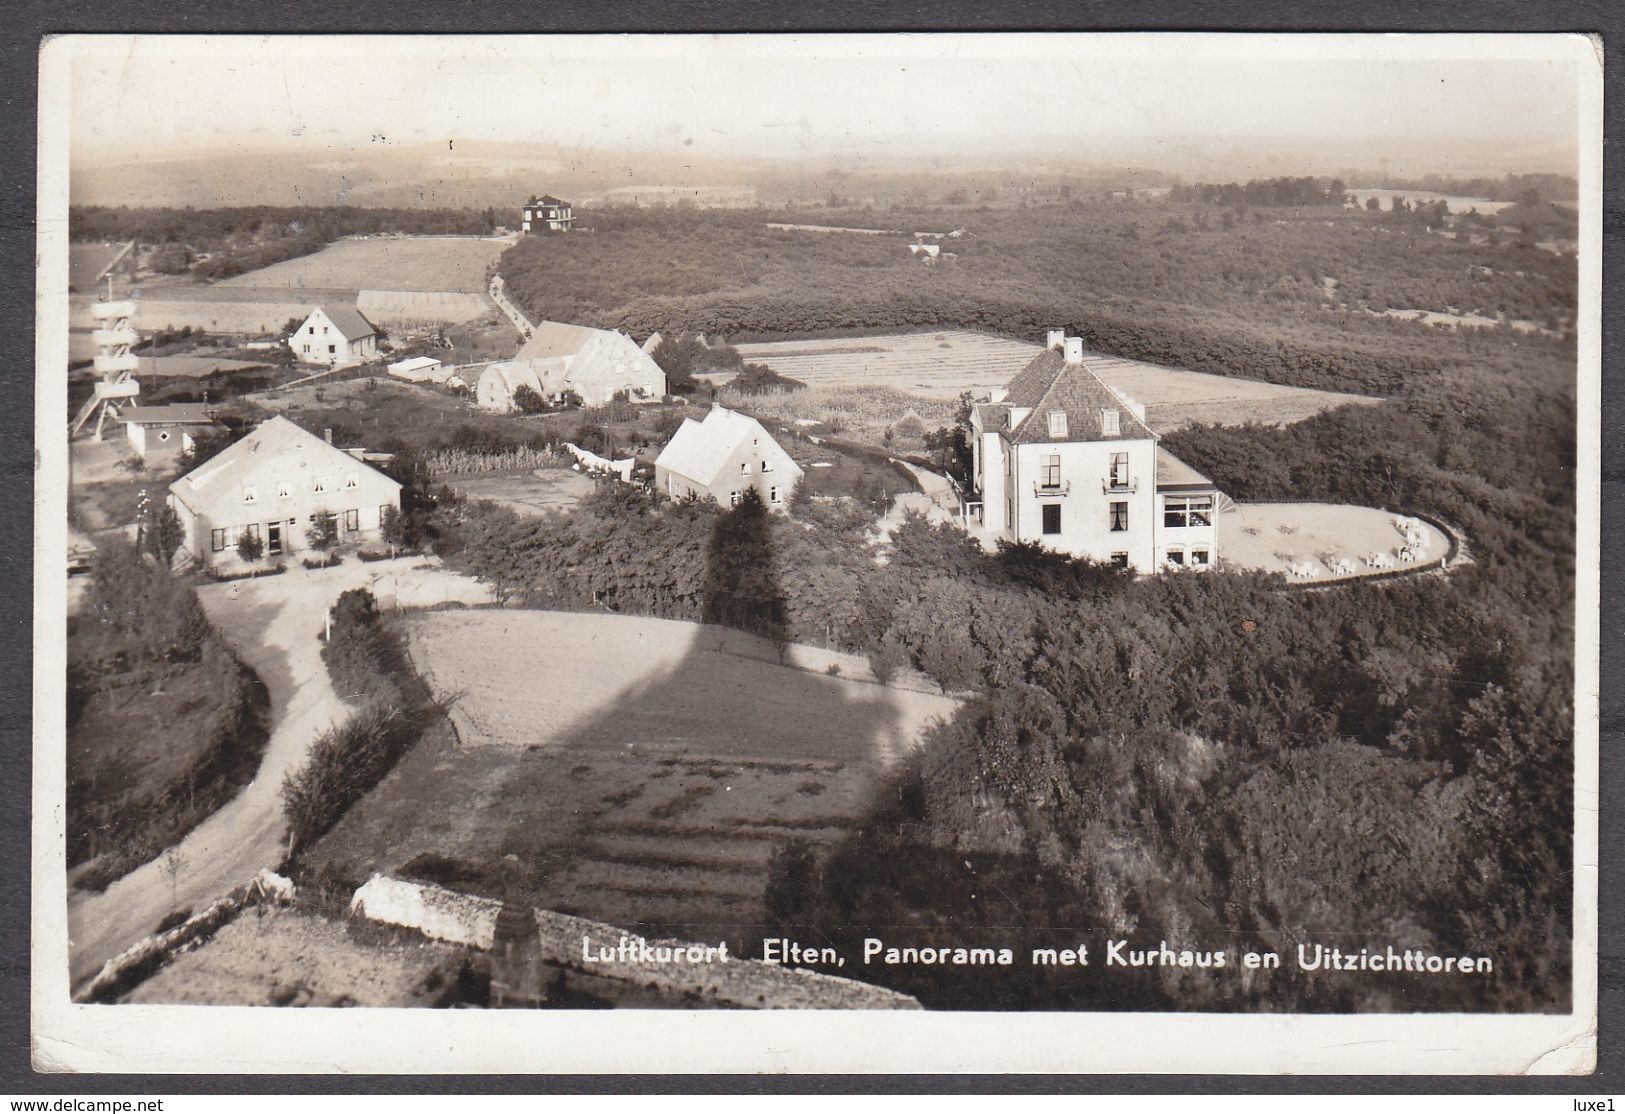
[322,562]
[250,546]
[527,400]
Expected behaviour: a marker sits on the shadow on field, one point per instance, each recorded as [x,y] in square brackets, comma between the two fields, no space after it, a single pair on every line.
[681,793]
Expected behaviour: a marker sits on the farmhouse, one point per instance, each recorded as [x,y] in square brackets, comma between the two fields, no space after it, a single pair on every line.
[335,335]
[546,214]
[280,484]
[1062,459]
[160,434]
[723,457]
[595,364]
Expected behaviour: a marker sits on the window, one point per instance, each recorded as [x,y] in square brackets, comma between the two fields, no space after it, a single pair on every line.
[324,330]
[1052,518]
[383,509]
[1050,469]
[307,349]
[284,490]
[1119,470]
[773,495]
[767,466]
[1199,557]
[736,498]
[1176,556]
[352,519]
[1119,517]
[1119,560]
[163,435]
[1110,424]
[351,482]
[331,349]
[217,540]
[319,485]
[1187,510]
[253,529]
[1057,424]
[250,495]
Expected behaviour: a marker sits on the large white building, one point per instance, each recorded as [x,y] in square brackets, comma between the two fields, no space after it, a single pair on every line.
[594,364]
[279,483]
[1062,459]
[724,456]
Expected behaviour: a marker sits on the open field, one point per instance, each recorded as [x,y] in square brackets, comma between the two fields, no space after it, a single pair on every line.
[534,493]
[1272,536]
[280,957]
[626,769]
[411,263]
[257,311]
[1385,198]
[941,365]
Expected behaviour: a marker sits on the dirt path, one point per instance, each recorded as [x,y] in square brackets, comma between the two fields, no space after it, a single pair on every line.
[273,624]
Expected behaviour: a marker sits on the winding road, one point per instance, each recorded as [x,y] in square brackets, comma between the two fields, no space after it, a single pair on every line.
[274,625]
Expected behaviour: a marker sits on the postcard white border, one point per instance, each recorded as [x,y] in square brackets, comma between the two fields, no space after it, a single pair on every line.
[214,1040]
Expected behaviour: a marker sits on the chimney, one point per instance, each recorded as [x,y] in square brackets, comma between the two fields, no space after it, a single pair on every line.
[1074,350]
[327,435]
[1054,340]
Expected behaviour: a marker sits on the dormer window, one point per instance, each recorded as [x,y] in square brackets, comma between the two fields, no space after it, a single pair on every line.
[1110,423]
[1057,424]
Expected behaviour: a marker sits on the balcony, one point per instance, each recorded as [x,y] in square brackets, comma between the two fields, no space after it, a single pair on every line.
[1057,489]
[1110,486]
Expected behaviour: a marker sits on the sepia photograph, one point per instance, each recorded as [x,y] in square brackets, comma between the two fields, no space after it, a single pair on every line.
[863,552]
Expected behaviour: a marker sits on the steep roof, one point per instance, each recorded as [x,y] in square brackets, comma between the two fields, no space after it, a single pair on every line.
[349,322]
[1049,384]
[698,450]
[555,338]
[276,438]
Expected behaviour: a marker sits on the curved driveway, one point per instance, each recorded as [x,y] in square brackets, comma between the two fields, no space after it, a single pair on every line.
[274,625]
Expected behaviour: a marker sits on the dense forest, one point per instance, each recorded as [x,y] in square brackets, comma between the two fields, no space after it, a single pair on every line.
[1292,296]
[246,238]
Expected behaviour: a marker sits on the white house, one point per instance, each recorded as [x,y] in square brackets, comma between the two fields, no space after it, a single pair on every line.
[722,457]
[278,483]
[160,434]
[1062,459]
[546,214]
[338,336]
[596,364]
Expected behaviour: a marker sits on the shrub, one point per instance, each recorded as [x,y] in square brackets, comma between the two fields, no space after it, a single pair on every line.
[527,400]
[250,546]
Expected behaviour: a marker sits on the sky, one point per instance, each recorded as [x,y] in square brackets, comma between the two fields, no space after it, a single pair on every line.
[795,96]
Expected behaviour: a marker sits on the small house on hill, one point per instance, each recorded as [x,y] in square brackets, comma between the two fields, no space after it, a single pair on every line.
[280,484]
[160,434]
[724,456]
[546,214]
[595,364]
[337,336]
